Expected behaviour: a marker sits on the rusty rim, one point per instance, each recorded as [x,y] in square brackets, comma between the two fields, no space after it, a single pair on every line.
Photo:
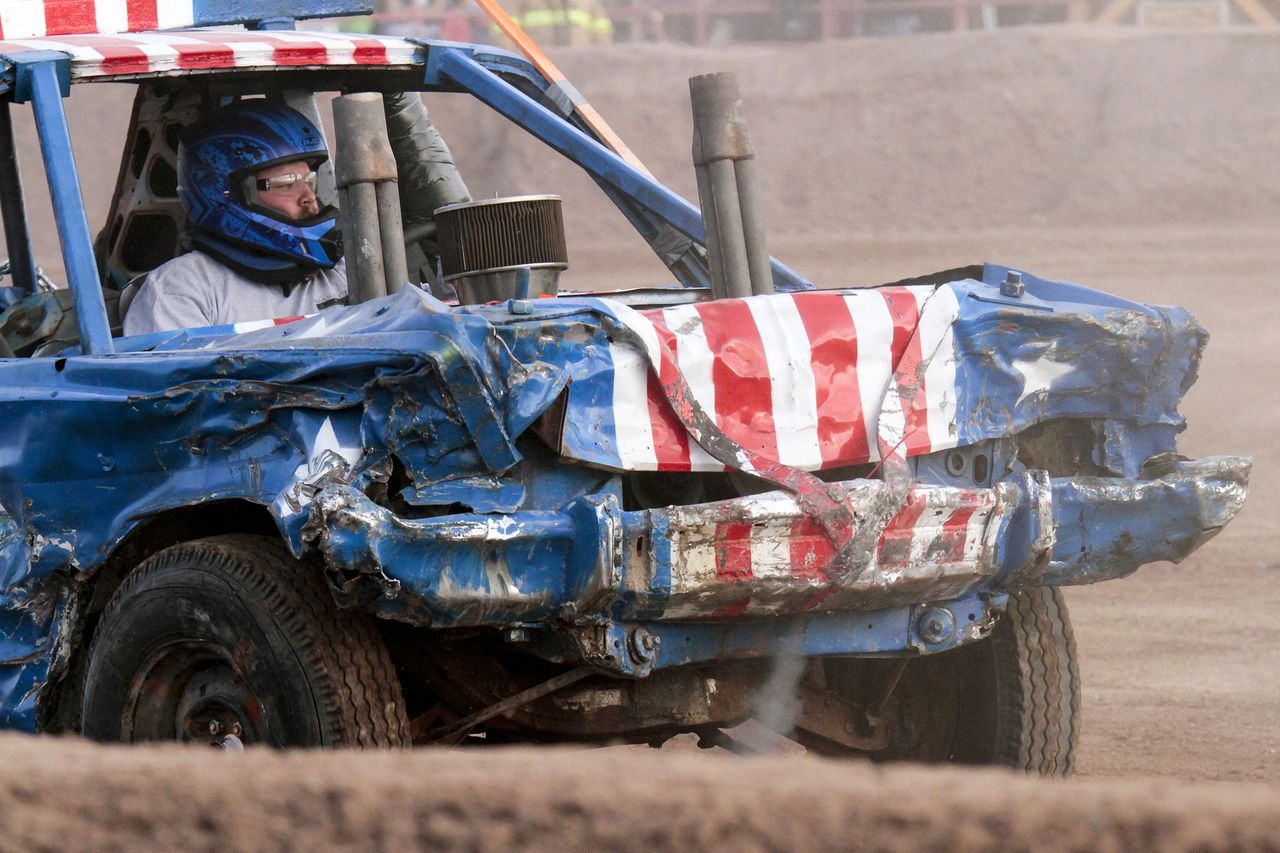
[192,691]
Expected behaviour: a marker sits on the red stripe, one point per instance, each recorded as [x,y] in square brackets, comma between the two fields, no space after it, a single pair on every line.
[833,341]
[895,542]
[119,56]
[733,550]
[670,439]
[733,561]
[143,14]
[731,610]
[205,56]
[955,532]
[69,16]
[740,375]
[282,321]
[905,312]
[370,52]
[283,52]
[297,52]
[211,50]
[810,550]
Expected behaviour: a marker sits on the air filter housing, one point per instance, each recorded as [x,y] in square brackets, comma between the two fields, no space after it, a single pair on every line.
[487,246]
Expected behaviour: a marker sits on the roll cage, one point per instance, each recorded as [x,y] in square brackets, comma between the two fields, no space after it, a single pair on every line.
[510,85]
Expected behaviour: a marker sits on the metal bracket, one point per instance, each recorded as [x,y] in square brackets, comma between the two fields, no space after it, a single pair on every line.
[24,66]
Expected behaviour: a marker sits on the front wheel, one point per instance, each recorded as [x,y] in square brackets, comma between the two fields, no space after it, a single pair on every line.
[1012,699]
[1023,707]
[230,641]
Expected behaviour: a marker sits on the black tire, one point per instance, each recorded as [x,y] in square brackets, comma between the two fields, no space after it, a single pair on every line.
[1011,700]
[1024,708]
[230,639]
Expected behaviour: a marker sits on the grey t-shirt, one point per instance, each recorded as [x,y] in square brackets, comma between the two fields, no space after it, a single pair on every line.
[196,290]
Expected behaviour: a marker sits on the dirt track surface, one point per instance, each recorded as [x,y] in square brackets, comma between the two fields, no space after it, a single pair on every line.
[1139,163]
[192,799]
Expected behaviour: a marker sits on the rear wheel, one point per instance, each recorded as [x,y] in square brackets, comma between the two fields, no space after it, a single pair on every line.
[230,641]
[1012,699]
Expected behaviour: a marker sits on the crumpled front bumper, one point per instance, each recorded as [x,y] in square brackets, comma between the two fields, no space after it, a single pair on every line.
[760,556]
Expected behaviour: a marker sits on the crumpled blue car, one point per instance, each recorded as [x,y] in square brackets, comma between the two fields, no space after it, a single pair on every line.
[433,518]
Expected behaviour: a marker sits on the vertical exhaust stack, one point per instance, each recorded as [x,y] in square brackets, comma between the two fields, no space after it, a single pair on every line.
[728,189]
[368,198]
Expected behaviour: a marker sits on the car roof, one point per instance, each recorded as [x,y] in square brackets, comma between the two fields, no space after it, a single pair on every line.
[175,52]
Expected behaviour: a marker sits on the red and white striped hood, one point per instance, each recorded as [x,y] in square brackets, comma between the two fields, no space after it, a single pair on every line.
[804,379]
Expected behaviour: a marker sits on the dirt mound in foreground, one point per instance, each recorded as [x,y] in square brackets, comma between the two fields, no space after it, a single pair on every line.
[189,798]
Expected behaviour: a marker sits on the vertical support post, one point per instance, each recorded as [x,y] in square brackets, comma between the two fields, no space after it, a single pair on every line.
[725,164]
[367,183]
[68,207]
[711,227]
[17,236]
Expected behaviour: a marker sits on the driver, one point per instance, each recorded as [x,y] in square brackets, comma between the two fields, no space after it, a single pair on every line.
[263,245]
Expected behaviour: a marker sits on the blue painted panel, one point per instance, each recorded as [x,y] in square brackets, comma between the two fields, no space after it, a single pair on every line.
[209,13]
[1066,351]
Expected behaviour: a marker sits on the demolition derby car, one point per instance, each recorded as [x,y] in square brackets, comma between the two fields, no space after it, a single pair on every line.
[478,511]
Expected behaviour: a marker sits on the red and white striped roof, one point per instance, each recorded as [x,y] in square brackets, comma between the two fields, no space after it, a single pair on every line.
[39,18]
[97,56]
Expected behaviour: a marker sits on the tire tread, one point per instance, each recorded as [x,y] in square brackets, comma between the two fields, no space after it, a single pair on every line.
[354,682]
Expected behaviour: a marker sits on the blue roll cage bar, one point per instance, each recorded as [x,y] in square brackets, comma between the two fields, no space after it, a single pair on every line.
[670,224]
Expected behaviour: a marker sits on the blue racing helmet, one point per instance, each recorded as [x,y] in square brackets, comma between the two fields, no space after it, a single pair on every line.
[217,160]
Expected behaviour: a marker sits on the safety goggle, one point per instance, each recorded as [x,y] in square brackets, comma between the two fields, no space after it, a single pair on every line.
[288,185]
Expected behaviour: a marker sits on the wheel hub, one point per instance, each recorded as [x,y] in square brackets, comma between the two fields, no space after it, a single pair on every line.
[193,693]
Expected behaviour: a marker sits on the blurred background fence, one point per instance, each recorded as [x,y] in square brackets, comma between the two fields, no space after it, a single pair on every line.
[715,22]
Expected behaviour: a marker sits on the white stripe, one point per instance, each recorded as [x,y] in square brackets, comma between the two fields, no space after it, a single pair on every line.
[319,327]
[86,61]
[693,563]
[926,532]
[22,18]
[792,388]
[632,426]
[771,549]
[695,360]
[163,38]
[975,534]
[252,326]
[937,348]
[874,329]
[174,13]
[112,16]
